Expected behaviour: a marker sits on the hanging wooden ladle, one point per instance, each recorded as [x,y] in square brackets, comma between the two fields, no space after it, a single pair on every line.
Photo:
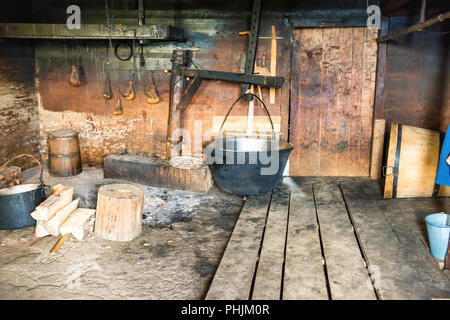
[130,94]
[107,92]
[74,77]
[118,109]
[150,91]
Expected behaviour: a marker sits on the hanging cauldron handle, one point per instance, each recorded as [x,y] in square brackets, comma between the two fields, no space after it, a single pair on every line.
[41,180]
[263,104]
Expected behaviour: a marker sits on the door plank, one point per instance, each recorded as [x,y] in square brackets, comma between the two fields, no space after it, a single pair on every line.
[333,85]
[307,99]
[329,115]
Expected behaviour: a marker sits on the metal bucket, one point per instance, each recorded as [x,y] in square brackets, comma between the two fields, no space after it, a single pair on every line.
[17,203]
[247,166]
[438,227]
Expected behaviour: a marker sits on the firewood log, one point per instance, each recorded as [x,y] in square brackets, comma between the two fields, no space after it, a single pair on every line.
[53,224]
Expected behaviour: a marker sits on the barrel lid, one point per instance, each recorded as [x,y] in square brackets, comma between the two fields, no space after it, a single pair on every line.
[64,133]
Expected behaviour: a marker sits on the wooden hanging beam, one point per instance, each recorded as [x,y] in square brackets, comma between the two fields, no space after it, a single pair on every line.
[91,32]
[418,27]
[253,43]
[255,79]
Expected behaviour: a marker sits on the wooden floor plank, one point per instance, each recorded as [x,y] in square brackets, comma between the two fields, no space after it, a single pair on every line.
[234,275]
[347,274]
[270,267]
[404,269]
[304,277]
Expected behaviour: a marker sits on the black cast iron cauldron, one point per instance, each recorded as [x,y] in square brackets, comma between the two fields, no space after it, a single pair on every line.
[17,203]
[247,166]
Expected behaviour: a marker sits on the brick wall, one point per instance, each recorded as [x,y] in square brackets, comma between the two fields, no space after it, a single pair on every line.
[19,112]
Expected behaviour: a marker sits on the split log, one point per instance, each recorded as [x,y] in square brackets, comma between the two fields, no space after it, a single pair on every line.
[40,231]
[53,224]
[61,197]
[119,212]
[75,222]
[80,232]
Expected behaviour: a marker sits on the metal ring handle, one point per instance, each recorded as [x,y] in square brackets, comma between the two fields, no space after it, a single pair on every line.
[123,44]
[41,180]
[263,104]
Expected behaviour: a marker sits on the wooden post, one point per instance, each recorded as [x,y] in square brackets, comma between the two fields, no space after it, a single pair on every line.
[273,64]
[177,86]
[119,212]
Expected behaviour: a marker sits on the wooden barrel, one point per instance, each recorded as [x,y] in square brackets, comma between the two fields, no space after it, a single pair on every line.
[412,161]
[64,153]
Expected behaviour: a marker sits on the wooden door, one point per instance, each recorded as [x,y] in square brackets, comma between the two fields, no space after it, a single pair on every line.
[332,96]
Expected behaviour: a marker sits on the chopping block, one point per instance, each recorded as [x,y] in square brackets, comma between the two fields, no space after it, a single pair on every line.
[157,172]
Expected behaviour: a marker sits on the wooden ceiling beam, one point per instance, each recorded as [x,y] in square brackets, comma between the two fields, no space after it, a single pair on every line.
[416,27]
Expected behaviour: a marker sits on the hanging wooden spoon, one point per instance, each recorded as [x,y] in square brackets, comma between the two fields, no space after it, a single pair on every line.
[107,92]
[74,77]
[118,110]
[150,91]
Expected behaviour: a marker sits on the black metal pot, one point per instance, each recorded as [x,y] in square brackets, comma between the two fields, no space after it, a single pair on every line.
[248,166]
[244,173]
[16,204]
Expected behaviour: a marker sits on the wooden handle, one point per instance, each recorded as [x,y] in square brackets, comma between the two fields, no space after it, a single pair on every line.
[59,243]
[273,64]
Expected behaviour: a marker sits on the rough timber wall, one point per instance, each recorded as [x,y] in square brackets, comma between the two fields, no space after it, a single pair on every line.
[142,128]
[416,88]
[19,113]
[333,85]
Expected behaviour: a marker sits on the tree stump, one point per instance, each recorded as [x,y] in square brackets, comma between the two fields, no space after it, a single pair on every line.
[119,212]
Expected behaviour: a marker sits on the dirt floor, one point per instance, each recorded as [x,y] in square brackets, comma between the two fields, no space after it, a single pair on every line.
[183,239]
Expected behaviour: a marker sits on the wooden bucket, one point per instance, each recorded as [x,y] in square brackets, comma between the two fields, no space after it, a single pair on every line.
[64,153]
[412,161]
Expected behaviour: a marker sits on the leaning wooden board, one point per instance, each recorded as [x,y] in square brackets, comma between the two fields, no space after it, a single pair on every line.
[376,156]
[412,161]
